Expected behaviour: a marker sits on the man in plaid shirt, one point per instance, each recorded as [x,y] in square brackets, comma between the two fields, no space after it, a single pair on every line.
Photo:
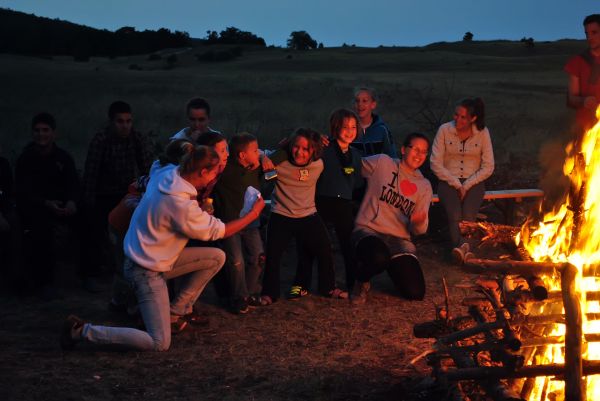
[116,157]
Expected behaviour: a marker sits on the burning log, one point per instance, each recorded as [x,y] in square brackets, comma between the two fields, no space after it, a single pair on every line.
[537,287]
[498,325]
[500,372]
[573,361]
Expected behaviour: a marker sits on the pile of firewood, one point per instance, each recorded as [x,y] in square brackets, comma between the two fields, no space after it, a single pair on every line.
[498,344]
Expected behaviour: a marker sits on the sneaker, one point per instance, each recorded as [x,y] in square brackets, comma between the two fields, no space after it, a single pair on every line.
[360,293]
[297,292]
[178,324]
[239,306]
[71,332]
[458,253]
[255,300]
[336,293]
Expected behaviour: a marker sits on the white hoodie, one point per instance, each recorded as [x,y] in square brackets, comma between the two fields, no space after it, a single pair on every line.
[167,216]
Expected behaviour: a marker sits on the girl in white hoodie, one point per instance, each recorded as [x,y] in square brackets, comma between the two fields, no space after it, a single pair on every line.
[167,216]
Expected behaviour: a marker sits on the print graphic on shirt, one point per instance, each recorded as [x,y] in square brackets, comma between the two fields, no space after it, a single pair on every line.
[391,196]
[408,188]
[303,174]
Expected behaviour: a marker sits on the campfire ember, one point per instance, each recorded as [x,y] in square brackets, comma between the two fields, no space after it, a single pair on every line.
[532,333]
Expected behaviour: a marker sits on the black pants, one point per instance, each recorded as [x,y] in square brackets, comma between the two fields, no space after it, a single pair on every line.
[40,245]
[312,233]
[95,244]
[338,212]
[404,269]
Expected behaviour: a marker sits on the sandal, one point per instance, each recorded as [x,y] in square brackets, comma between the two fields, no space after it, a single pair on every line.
[336,293]
[197,319]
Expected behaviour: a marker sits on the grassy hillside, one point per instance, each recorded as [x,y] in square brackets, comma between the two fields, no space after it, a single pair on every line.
[270,92]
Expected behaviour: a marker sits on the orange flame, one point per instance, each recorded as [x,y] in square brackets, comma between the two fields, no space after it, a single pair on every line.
[570,235]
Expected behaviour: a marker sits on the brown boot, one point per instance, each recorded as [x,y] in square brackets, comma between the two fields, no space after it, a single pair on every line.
[359,293]
[71,332]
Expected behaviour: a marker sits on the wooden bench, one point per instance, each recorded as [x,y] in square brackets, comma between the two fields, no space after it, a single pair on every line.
[506,199]
[516,194]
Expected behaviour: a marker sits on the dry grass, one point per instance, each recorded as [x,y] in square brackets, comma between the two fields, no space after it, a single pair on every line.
[314,348]
[268,93]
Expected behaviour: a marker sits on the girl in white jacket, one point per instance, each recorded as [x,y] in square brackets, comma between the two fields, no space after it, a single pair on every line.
[462,159]
[167,216]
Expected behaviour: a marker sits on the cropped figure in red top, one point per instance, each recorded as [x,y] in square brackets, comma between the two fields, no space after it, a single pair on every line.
[584,76]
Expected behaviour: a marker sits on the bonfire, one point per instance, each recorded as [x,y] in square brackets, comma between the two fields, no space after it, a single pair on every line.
[534,334]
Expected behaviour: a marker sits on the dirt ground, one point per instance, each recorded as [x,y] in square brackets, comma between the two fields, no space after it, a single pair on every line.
[310,349]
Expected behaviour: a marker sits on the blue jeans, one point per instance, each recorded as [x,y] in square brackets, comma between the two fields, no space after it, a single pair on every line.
[197,265]
[243,265]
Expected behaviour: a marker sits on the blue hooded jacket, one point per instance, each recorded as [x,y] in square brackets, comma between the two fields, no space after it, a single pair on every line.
[376,139]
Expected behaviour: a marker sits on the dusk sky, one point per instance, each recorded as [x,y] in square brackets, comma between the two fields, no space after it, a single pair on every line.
[333,22]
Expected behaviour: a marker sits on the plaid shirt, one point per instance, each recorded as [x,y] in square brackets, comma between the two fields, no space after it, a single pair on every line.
[113,162]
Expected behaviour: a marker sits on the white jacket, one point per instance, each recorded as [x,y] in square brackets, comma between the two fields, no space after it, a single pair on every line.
[453,160]
[167,216]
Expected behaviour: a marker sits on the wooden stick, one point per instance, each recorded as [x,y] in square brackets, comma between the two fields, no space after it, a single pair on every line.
[483,372]
[523,268]
[537,288]
[573,335]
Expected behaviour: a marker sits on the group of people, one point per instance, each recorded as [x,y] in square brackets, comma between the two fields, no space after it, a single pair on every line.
[196,215]
[193,215]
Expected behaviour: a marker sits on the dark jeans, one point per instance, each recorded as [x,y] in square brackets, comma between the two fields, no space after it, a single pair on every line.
[312,233]
[95,244]
[375,257]
[457,210]
[40,246]
[338,212]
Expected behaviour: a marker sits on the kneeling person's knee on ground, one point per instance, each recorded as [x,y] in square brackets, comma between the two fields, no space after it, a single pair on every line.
[374,256]
[406,274]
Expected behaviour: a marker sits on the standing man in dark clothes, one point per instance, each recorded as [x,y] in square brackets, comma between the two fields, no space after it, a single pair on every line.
[47,188]
[584,76]
[116,157]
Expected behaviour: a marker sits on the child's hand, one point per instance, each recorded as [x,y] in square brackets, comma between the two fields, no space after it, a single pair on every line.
[258,206]
[418,218]
[266,164]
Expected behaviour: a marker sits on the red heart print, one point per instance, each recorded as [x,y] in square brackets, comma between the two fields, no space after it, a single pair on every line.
[407,187]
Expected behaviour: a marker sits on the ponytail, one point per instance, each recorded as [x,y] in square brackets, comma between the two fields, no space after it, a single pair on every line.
[201,157]
[476,108]
[175,151]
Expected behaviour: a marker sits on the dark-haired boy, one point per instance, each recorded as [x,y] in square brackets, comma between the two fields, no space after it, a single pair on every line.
[198,115]
[116,157]
[47,188]
[245,249]
[584,76]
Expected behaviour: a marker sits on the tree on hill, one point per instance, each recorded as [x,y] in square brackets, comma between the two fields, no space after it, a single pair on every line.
[468,36]
[301,40]
[233,36]
[30,34]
